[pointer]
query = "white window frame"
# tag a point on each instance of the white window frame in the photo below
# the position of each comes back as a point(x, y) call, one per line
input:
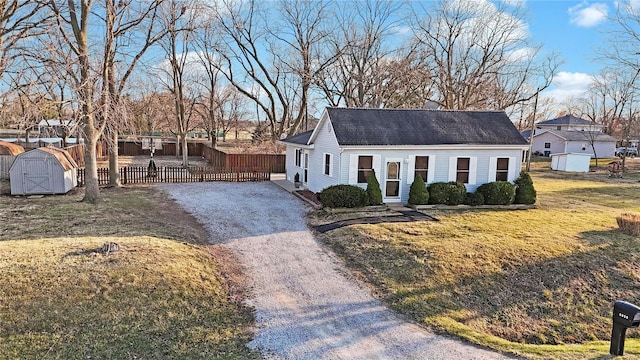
point(473, 168)
point(329, 164)
point(298, 158)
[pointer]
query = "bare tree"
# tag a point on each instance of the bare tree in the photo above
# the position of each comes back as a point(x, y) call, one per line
point(131, 28)
point(180, 20)
point(74, 24)
point(480, 55)
point(369, 72)
point(273, 63)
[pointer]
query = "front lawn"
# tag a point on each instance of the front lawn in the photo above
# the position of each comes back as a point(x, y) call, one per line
point(164, 294)
point(537, 283)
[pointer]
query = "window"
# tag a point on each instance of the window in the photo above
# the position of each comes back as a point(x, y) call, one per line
point(547, 145)
point(422, 167)
point(327, 164)
point(298, 157)
point(502, 169)
point(365, 166)
point(462, 170)
point(558, 127)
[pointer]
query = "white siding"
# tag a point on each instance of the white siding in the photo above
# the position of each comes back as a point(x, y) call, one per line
point(557, 143)
point(438, 164)
point(325, 143)
point(603, 149)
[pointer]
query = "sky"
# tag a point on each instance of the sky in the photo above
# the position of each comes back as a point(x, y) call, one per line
point(575, 30)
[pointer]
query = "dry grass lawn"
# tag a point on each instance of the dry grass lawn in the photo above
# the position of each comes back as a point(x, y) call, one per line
point(537, 283)
point(164, 294)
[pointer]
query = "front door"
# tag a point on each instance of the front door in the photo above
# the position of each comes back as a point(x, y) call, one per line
point(392, 184)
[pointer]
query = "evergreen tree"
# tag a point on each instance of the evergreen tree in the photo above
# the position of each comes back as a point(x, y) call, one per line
point(525, 192)
point(373, 189)
point(418, 193)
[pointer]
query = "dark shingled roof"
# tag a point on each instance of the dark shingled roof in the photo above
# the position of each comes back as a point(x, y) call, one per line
point(567, 120)
point(300, 139)
point(581, 135)
point(357, 126)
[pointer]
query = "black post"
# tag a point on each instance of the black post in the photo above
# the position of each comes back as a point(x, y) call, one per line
point(617, 339)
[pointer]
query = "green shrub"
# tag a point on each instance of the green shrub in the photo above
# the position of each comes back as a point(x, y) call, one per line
point(449, 193)
point(525, 192)
point(418, 193)
point(497, 193)
point(348, 196)
point(474, 199)
point(373, 189)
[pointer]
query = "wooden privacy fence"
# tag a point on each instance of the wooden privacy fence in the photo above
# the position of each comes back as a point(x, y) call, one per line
point(145, 175)
point(274, 163)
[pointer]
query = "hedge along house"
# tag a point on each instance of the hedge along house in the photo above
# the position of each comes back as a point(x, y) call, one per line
point(472, 147)
point(45, 170)
point(8, 153)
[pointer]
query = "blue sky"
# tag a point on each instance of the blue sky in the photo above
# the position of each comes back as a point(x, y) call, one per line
point(574, 29)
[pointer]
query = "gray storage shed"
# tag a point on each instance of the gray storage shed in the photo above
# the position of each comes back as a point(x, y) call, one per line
point(8, 153)
point(45, 170)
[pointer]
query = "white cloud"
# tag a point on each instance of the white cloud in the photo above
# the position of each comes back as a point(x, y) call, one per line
point(586, 15)
point(568, 85)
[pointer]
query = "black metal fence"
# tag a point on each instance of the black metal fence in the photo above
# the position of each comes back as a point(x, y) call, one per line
point(146, 175)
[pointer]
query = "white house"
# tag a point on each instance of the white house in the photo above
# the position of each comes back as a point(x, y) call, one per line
point(569, 134)
point(472, 147)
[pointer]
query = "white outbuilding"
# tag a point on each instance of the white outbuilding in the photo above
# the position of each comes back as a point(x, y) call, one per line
point(46, 170)
point(571, 162)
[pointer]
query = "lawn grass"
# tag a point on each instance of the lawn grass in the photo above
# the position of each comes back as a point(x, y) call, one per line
point(538, 283)
point(164, 294)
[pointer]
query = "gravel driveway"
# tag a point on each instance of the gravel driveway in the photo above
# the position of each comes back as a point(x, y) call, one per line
point(307, 305)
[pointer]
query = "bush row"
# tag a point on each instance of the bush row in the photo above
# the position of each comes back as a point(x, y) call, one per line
point(448, 193)
point(454, 193)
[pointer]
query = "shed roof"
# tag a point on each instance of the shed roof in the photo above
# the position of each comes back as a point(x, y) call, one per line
point(358, 126)
point(63, 156)
point(7, 148)
point(300, 139)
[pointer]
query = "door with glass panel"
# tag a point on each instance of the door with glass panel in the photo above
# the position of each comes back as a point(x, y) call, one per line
point(392, 184)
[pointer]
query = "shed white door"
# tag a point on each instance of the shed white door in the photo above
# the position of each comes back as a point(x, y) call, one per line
point(37, 176)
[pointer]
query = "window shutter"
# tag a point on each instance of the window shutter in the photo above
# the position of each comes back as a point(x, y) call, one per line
point(473, 169)
point(331, 164)
point(411, 169)
point(453, 168)
point(493, 167)
point(377, 165)
point(431, 174)
point(353, 169)
point(513, 169)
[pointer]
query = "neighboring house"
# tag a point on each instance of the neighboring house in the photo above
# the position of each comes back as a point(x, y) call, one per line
point(472, 147)
point(568, 123)
point(569, 134)
point(55, 127)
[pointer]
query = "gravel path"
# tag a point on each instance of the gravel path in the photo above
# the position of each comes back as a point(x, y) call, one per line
point(307, 306)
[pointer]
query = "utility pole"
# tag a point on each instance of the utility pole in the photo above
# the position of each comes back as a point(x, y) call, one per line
point(533, 127)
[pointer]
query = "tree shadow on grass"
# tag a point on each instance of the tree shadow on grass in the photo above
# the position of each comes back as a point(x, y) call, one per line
point(564, 299)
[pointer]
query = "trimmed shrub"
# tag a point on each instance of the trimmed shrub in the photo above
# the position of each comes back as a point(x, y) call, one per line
point(629, 223)
point(373, 189)
point(337, 196)
point(497, 193)
point(448, 193)
point(474, 199)
point(418, 193)
point(525, 192)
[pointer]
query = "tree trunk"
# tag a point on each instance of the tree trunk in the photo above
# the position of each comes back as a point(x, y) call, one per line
point(114, 167)
point(185, 151)
point(92, 189)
